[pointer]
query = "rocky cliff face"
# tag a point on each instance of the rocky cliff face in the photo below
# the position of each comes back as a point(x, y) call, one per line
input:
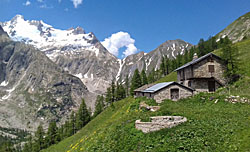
point(33, 89)
point(79, 53)
point(152, 60)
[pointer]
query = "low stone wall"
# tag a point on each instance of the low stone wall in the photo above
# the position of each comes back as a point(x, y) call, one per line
point(159, 122)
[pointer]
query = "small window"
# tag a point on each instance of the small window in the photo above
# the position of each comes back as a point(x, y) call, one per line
point(189, 83)
point(210, 68)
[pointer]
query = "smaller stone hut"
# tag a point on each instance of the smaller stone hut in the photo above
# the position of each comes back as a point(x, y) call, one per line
point(165, 90)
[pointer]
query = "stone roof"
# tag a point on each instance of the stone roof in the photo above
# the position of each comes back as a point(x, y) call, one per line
point(197, 60)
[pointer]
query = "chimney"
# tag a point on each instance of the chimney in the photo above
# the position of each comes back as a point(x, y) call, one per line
point(195, 56)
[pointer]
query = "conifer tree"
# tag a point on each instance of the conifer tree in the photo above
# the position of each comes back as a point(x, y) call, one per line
point(113, 91)
point(127, 86)
point(144, 77)
point(191, 54)
point(162, 66)
point(151, 75)
point(135, 82)
point(66, 131)
point(39, 139)
point(72, 125)
point(201, 48)
point(179, 60)
point(99, 105)
point(83, 116)
point(167, 65)
point(186, 60)
point(28, 145)
point(52, 134)
point(174, 64)
point(229, 55)
point(214, 43)
point(109, 96)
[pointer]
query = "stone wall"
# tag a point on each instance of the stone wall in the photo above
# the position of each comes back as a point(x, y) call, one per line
point(166, 93)
point(159, 122)
point(201, 85)
point(201, 70)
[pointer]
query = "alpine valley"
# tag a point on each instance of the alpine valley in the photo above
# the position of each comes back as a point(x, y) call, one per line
point(46, 71)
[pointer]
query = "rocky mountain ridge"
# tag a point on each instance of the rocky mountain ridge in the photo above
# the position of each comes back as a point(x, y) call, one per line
point(82, 54)
point(33, 89)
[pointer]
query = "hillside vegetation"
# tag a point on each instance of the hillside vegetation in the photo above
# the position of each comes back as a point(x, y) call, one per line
point(213, 125)
point(237, 30)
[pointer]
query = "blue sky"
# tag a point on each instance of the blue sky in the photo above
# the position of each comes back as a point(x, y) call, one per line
point(148, 22)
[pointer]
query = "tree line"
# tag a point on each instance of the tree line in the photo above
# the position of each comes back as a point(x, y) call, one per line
point(54, 134)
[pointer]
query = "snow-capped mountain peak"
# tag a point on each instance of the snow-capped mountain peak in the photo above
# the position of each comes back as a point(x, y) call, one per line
point(46, 38)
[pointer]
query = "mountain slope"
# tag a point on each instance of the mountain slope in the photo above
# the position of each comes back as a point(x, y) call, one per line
point(33, 89)
point(152, 60)
point(211, 126)
point(79, 53)
point(82, 54)
point(238, 29)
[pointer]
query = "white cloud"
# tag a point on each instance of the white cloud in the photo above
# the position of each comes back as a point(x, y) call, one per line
point(59, 1)
point(27, 3)
point(120, 40)
point(76, 2)
point(40, 1)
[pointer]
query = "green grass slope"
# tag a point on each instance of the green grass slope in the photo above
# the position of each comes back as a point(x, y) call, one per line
point(241, 87)
point(211, 126)
point(170, 77)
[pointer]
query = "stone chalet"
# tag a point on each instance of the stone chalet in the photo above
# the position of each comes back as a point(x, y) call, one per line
point(204, 74)
point(165, 90)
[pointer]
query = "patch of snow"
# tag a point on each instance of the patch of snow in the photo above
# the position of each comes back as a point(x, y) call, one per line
point(173, 46)
point(9, 93)
point(148, 63)
point(79, 75)
point(92, 76)
point(121, 63)
point(86, 75)
point(140, 58)
point(3, 84)
point(173, 54)
point(47, 37)
point(130, 63)
point(186, 45)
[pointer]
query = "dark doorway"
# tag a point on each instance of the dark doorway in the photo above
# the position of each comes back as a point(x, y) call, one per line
point(174, 94)
point(211, 86)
